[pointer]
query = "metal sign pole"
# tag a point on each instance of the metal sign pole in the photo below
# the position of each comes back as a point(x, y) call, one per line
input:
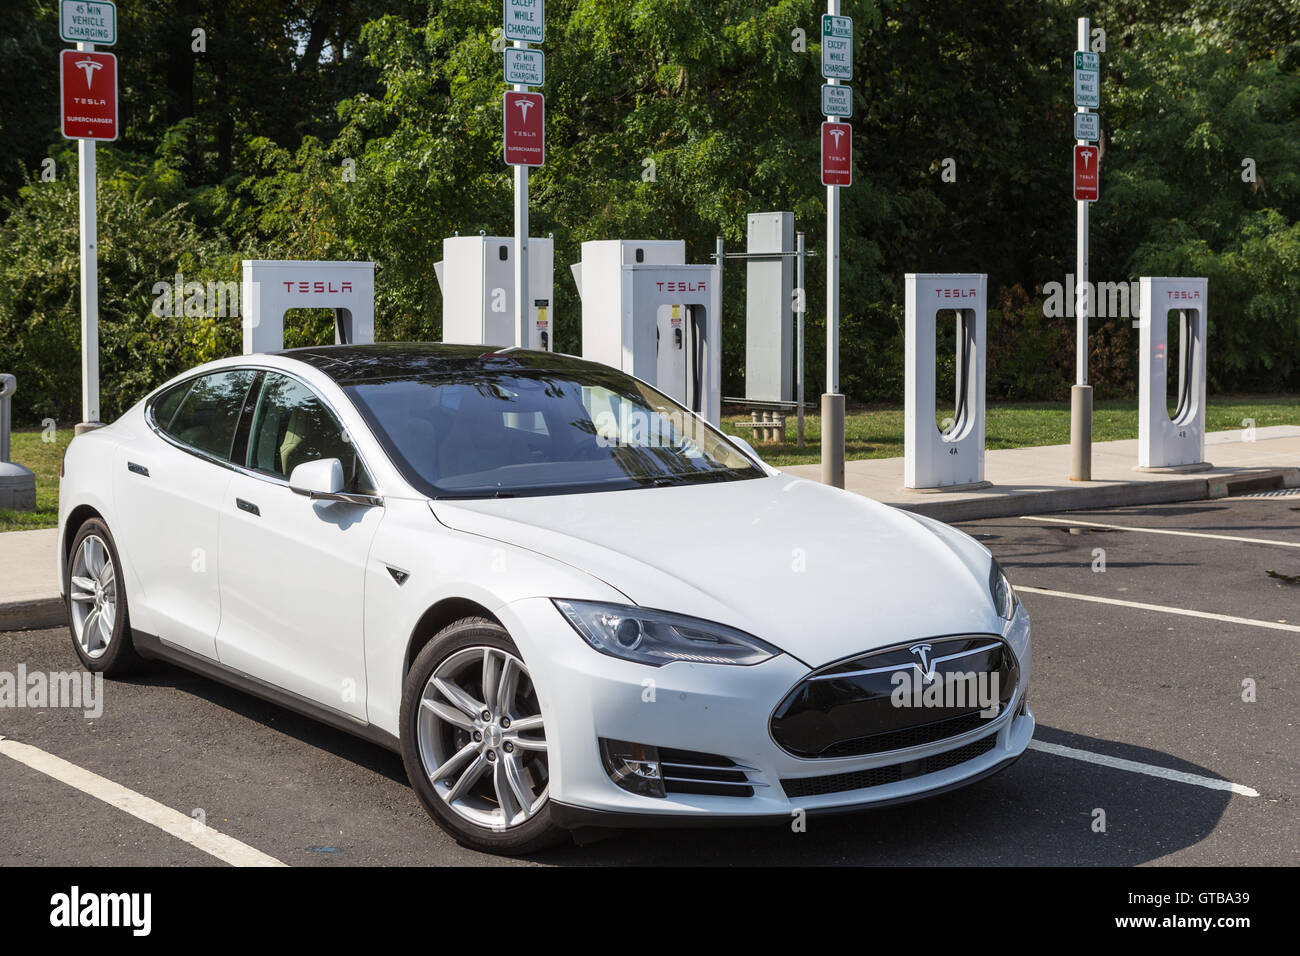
point(833, 401)
point(89, 278)
point(1081, 393)
point(801, 305)
point(522, 336)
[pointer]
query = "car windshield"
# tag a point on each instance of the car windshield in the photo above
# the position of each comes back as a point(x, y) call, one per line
point(508, 432)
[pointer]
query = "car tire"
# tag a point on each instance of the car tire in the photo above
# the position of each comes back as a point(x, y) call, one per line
point(482, 778)
point(98, 616)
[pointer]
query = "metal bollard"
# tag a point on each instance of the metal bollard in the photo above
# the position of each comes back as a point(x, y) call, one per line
point(8, 385)
point(17, 484)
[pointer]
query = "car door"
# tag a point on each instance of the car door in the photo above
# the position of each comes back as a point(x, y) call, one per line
point(168, 487)
point(292, 568)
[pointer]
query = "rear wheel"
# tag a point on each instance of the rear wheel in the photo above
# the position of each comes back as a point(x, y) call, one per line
point(97, 608)
point(473, 741)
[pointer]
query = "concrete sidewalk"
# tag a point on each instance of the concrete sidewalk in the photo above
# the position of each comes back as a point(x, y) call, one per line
point(29, 589)
point(1025, 481)
point(1033, 480)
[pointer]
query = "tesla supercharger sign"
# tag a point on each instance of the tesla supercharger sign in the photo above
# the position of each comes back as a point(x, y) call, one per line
point(525, 119)
point(837, 154)
point(89, 85)
point(1087, 181)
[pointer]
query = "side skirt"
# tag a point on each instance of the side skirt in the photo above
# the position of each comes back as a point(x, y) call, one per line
point(155, 648)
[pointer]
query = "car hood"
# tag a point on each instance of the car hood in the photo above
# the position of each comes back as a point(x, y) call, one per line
point(819, 572)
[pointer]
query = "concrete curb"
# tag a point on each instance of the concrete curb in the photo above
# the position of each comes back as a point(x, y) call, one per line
point(32, 615)
point(49, 611)
point(1113, 495)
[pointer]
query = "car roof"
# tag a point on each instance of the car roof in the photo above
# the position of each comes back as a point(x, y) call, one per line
point(354, 364)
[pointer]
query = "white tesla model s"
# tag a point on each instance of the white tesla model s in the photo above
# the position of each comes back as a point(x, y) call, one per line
point(564, 599)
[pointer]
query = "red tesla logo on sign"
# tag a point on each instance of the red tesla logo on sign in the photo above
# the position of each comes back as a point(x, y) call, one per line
point(89, 85)
point(837, 154)
point(1087, 178)
point(525, 129)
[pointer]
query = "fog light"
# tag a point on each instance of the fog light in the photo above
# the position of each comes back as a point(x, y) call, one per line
point(634, 767)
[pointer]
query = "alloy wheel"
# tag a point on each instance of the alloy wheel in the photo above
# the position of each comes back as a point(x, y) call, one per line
point(94, 596)
point(481, 740)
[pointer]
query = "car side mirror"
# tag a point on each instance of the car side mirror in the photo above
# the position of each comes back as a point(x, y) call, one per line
point(319, 478)
point(322, 480)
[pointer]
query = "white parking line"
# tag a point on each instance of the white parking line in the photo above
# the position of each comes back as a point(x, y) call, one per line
point(139, 806)
point(1151, 770)
point(1164, 609)
point(1181, 534)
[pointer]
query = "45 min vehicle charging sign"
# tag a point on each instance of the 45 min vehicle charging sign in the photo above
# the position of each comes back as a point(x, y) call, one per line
point(88, 21)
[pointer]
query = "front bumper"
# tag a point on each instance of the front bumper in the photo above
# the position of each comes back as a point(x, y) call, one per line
point(722, 710)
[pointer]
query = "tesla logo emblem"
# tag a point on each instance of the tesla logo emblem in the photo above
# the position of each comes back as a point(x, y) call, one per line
point(1087, 157)
point(837, 133)
point(524, 106)
point(926, 665)
point(90, 66)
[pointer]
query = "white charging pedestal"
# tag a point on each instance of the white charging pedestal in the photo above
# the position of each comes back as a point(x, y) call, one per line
point(477, 278)
point(273, 287)
point(648, 313)
point(952, 459)
point(1174, 443)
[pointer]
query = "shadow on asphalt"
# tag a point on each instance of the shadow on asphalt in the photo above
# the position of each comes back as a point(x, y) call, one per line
point(1041, 811)
point(277, 718)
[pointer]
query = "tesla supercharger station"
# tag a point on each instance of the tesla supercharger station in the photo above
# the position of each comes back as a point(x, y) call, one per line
point(477, 278)
point(273, 287)
point(647, 312)
point(1177, 441)
point(953, 457)
point(769, 308)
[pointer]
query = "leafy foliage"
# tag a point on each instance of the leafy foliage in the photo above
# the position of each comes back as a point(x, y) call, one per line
point(371, 130)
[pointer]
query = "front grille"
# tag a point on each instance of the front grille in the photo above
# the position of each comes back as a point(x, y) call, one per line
point(879, 776)
point(909, 736)
point(848, 709)
point(689, 771)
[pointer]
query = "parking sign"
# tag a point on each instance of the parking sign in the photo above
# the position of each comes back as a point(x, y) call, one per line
point(837, 100)
point(1087, 127)
point(525, 67)
point(837, 47)
point(88, 21)
point(1087, 80)
point(525, 20)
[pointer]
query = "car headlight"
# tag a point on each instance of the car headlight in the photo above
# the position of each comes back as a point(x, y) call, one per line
point(657, 637)
point(1004, 595)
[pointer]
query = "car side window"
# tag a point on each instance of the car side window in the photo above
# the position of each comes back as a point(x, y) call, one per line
point(204, 413)
point(292, 425)
point(164, 406)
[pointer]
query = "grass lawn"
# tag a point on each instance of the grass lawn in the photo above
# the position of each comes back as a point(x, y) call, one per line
point(42, 457)
point(878, 432)
point(869, 433)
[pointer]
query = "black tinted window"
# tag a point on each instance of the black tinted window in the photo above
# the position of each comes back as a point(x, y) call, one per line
point(205, 415)
point(518, 432)
point(291, 425)
point(166, 404)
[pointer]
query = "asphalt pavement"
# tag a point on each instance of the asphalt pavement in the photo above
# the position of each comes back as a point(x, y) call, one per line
point(1146, 752)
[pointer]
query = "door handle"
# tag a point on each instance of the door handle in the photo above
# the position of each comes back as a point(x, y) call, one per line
point(137, 469)
point(248, 506)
